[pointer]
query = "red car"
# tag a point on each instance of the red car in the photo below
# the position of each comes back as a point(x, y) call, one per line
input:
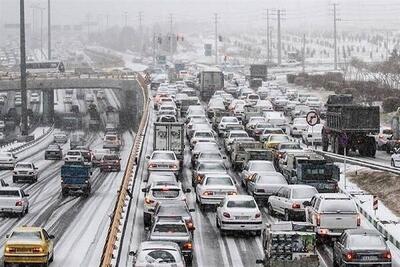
point(110, 162)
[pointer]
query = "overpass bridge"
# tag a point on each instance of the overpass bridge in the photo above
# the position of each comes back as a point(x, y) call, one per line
point(128, 90)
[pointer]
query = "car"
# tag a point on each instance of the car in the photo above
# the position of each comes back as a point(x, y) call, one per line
point(202, 136)
point(110, 162)
point(18, 101)
point(161, 176)
point(25, 171)
point(207, 168)
point(268, 131)
point(385, 134)
point(175, 230)
point(298, 126)
point(213, 188)
point(89, 98)
point(262, 185)
point(239, 213)
point(252, 99)
point(67, 99)
point(224, 121)
point(167, 109)
point(231, 136)
point(395, 158)
point(313, 102)
point(35, 98)
point(60, 138)
point(255, 166)
point(13, 200)
point(203, 147)
point(97, 155)
point(100, 94)
point(273, 140)
point(361, 247)
point(74, 156)
point(7, 160)
point(253, 121)
point(275, 118)
point(163, 160)
point(179, 209)
point(332, 214)
point(28, 245)
point(166, 118)
point(288, 201)
point(284, 148)
point(151, 253)
point(258, 128)
point(159, 192)
point(53, 152)
point(313, 135)
point(112, 141)
point(197, 127)
point(212, 156)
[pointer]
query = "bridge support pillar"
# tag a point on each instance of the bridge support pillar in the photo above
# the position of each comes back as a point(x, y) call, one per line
point(48, 106)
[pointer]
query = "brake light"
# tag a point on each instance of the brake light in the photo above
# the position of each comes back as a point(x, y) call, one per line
point(19, 203)
point(226, 215)
point(199, 178)
point(187, 245)
point(232, 193)
point(189, 224)
point(148, 200)
point(387, 255)
point(37, 250)
point(351, 255)
point(358, 220)
point(318, 219)
point(11, 250)
point(173, 167)
point(295, 206)
point(258, 215)
point(208, 193)
point(152, 165)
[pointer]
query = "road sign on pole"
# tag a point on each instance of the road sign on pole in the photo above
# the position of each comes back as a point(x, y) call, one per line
point(312, 118)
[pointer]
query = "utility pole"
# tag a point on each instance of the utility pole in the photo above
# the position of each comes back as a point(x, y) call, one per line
point(154, 48)
point(107, 20)
point(170, 36)
point(126, 18)
point(279, 43)
point(48, 31)
point(24, 110)
point(41, 32)
point(335, 37)
point(216, 38)
point(303, 59)
point(140, 20)
point(141, 34)
point(268, 39)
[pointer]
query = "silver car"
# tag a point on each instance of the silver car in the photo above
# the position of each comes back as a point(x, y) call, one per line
point(264, 185)
point(158, 253)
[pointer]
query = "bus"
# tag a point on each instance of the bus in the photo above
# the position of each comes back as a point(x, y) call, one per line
point(45, 67)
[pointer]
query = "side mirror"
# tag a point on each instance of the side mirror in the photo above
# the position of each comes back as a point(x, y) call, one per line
point(132, 253)
point(7, 236)
point(192, 210)
point(26, 195)
point(223, 157)
point(145, 190)
point(147, 157)
point(15, 157)
point(307, 203)
point(52, 236)
point(36, 168)
point(260, 261)
point(188, 190)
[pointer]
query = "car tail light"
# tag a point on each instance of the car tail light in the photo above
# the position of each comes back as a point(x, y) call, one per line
point(387, 255)
point(358, 220)
point(258, 215)
point(280, 155)
point(11, 250)
point(37, 250)
point(187, 245)
point(148, 200)
point(19, 203)
point(189, 224)
point(350, 255)
point(232, 193)
point(318, 219)
point(208, 193)
point(152, 165)
point(226, 215)
point(194, 142)
point(295, 206)
point(174, 167)
point(199, 178)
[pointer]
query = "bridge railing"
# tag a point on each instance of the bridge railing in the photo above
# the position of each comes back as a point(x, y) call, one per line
point(116, 76)
point(111, 246)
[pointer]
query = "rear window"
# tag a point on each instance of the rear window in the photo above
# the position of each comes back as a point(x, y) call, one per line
point(304, 193)
point(280, 138)
point(233, 135)
point(170, 228)
point(163, 156)
point(261, 166)
point(210, 156)
point(111, 157)
point(165, 193)
point(366, 241)
point(31, 236)
point(275, 131)
point(233, 119)
point(9, 193)
point(211, 167)
point(290, 146)
point(219, 181)
point(241, 204)
point(203, 134)
point(338, 206)
point(111, 138)
point(23, 166)
point(265, 179)
point(156, 256)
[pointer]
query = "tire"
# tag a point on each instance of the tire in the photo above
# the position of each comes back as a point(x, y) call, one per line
point(258, 233)
point(15, 180)
point(217, 223)
point(392, 163)
point(271, 210)
point(27, 210)
point(286, 216)
point(52, 257)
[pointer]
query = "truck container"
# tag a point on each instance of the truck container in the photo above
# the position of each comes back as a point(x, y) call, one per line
point(351, 126)
point(75, 178)
point(259, 71)
point(77, 139)
point(112, 117)
point(211, 80)
point(169, 136)
point(94, 117)
point(245, 150)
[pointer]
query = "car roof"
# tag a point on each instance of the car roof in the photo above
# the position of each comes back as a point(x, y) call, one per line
point(8, 188)
point(299, 186)
point(27, 229)
point(333, 196)
point(239, 197)
point(158, 244)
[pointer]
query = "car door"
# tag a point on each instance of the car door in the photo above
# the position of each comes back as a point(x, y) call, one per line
point(338, 247)
point(245, 172)
point(275, 200)
point(251, 183)
point(284, 203)
point(49, 243)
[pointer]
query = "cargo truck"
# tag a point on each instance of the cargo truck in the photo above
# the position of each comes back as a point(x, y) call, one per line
point(211, 80)
point(169, 136)
point(351, 126)
point(258, 71)
point(75, 179)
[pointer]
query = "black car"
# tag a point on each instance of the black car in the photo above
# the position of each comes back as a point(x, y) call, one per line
point(361, 247)
point(53, 152)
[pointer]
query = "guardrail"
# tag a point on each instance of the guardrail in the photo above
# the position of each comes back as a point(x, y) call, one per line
point(112, 241)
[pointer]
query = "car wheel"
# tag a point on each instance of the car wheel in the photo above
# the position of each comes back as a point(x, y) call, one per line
point(271, 210)
point(217, 222)
point(392, 163)
point(52, 257)
point(15, 180)
point(286, 216)
point(27, 210)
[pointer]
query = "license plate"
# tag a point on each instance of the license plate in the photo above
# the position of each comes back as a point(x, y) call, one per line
point(6, 210)
point(162, 166)
point(370, 258)
point(241, 217)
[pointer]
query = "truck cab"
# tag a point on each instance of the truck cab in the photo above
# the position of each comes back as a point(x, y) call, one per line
point(76, 179)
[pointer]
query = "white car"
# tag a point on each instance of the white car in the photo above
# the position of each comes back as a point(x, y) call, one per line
point(18, 101)
point(25, 171)
point(166, 109)
point(288, 201)
point(163, 161)
point(253, 122)
point(67, 99)
point(239, 213)
point(313, 135)
point(275, 118)
point(202, 136)
point(213, 188)
point(60, 138)
point(97, 155)
point(395, 159)
point(74, 156)
point(313, 102)
point(35, 98)
point(7, 160)
point(224, 121)
point(158, 253)
point(298, 126)
point(262, 185)
point(256, 166)
point(13, 200)
point(230, 138)
point(112, 141)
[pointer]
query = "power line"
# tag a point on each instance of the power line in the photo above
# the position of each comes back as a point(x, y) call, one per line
point(216, 38)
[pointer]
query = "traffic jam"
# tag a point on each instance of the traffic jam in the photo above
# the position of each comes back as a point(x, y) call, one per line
point(245, 153)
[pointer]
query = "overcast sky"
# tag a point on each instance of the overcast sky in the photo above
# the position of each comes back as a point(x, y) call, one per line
point(233, 14)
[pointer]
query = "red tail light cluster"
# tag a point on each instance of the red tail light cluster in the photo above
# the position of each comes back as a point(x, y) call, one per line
point(296, 206)
point(387, 255)
point(187, 245)
point(189, 224)
point(358, 220)
point(318, 219)
point(350, 255)
point(208, 193)
point(148, 200)
point(19, 203)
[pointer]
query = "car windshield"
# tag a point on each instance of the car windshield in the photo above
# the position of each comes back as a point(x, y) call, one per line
point(364, 241)
point(338, 206)
point(111, 157)
point(271, 179)
point(31, 236)
point(170, 228)
point(210, 156)
point(241, 204)
point(279, 138)
point(304, 193)
point(203, 134)
point(231, 119)
point(219, 181)
point(261, 166)
point(9, 193)
point(211, 167)
point(23, 166)
point(165, 193)
point(163, 156)
point(290, 146)
point(234, 135)
point(158, 256)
